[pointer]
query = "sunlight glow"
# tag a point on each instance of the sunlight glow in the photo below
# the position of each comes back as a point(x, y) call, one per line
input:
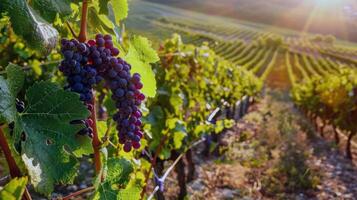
point(328, 3)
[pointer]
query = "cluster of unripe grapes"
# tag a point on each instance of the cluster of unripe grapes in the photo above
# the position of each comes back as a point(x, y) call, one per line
point(87, 64)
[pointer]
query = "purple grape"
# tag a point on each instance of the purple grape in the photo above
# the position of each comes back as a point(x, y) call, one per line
point(87, 64)
point(127, 146)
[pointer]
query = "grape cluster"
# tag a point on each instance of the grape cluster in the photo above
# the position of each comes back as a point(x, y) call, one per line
point(81, 75)
point(125, 89)
point(87, 64)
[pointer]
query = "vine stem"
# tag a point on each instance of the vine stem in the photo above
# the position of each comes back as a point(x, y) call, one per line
point(95, 142)
point(14, 169)
point(79, 192)
point(71, 29)
point(82, 37)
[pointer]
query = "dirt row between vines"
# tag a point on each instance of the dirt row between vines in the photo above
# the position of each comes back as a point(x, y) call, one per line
point(272, 153)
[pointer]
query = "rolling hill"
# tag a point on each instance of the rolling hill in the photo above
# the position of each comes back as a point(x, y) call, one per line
point(306, 16)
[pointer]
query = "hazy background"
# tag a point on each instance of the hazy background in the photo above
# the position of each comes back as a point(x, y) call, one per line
point(336, 17)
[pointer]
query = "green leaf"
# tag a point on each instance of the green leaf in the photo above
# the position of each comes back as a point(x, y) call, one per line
point(118, 174)
point(7, 102)
point(103, 7)
point(143, 49)
point(105, 191)
point(99, 23)
point(156, 118)
point(8, 92)
point(14, 189)
point(120, 9)
point(178, 138)
point(51, 144)
point(139, 56)
point(15, 77)
point(29, 25)
point(129, 193)
point(48, 9)
point(119, 171)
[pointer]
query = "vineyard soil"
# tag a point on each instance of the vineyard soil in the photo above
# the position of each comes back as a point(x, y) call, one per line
point(273, 153)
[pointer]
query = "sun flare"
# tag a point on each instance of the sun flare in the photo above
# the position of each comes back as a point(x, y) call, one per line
point(328, 3)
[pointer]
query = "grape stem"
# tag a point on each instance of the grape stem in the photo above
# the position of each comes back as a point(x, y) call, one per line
point(14, 169)
point(95, 142)
point(71, 29)
point(79, 192)
point(82, 37)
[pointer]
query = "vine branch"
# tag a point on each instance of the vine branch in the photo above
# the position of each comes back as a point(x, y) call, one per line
point(68, 197)
point(71, 29)
point(82, 37)
point(14, 169)
point(95, 142)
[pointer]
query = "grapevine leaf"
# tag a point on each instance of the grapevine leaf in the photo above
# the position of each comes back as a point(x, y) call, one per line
point(49, 8)
point(131, 192)
point(139, 56)
point(179, 131)
point(120, 9)
point(117, 175)
point(8, 92)
point(51, 145)
point(118, 171)
point(98, 23)
point(178, 138)
point(14, 189)
point(105, 192)
point(29, 25)
point(103, 7)
point(144, 50)
point(16, 78)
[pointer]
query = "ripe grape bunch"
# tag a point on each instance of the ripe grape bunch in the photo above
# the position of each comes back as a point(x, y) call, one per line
point(87, 64)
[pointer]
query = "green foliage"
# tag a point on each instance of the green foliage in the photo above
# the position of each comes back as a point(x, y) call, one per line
point(8, 91)
point(30, 25)
point(120, 9)
point(117, 176)
point(192, 82)
point(140, 55)
point(51, 144)
point(97, 22)
point(332, 98)
point(48, 9)
point(14, 189)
